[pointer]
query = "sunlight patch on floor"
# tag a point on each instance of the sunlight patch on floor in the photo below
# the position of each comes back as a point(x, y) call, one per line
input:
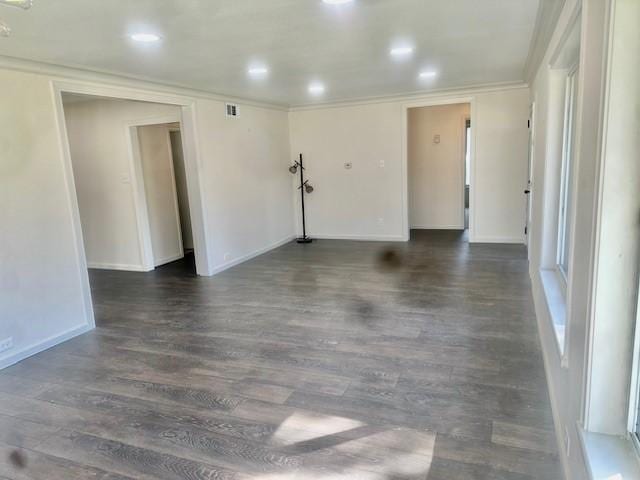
point(301, 427)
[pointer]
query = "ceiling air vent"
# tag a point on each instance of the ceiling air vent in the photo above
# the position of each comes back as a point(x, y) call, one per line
point(232, 110)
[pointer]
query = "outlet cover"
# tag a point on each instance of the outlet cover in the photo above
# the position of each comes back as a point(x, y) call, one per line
point(6, 344)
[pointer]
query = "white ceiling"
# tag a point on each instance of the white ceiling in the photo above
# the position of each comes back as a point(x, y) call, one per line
point(209, 44)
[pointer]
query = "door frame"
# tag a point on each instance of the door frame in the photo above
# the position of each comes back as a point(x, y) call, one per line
point(193, 164)
point(139, 190)
point(431, 102)
point(529, 186)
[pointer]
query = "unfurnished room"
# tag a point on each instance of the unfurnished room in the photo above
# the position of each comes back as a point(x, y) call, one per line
point(320, 240)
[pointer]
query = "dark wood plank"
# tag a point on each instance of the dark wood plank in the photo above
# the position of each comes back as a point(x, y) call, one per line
point(317, 361)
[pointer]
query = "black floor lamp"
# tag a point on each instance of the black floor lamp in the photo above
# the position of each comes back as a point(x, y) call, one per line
point(304, 188)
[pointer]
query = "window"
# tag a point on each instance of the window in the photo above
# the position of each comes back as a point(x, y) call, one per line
point(565, 207)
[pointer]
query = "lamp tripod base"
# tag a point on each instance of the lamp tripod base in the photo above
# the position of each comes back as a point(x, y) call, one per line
point(304, 240)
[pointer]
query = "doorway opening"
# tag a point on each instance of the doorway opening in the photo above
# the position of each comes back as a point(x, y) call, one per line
point(439, 158)
point(131, 178)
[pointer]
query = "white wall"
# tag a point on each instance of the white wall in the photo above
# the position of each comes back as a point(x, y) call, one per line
point(436, 170)
point(100, 153)
point(245, 185)
point(246, 179)
point(160, 192)
point(499, 173)
point(41, 275)
point(181, 186)
point(367, 201)
point(566, 374)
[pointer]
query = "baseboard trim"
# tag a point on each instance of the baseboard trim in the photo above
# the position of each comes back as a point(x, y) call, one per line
point(169, 259)
point(478, 239)
point(437, 227)
point(360, 238)
point(44, 345)
point(118, 266)
point(249, 256)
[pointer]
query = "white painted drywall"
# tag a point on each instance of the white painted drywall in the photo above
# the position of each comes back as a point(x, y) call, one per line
point(179, 172)
point(566, 377)
point(245, 177)
point(245, 186)
point(618, 251)
point(100, 153)
point(160, 192)
point(499, 173)
point(436, 168)
point(366, 201)
point(41, 275)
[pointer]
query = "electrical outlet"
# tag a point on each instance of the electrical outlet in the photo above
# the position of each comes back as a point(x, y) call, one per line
point(226, 256)
point(381, 163)
point(6, 344)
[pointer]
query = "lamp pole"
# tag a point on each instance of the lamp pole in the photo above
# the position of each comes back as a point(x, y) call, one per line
point(304, 238)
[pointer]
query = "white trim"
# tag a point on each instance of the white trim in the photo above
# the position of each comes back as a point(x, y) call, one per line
point(438, 227)
point(463, 150)
point(106, 78)
point(157, 120)
point(72, 202)
point(249, 256)
point(360, 238)
point(414, 96)
point(538, 298)
point(139, 197)
point(118, 81)
point(118, 266)
point(139, 190)
point(193, 164)
point(43, 345)
point(634, 397)
point(555, 300)
point(169, 259)
point(174, 188)
point(194, 172)
point(485, 239)
point(530, 169)
point(430, 102)
point(606, 454)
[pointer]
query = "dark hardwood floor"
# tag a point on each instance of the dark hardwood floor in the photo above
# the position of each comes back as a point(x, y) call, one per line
point(331, 361)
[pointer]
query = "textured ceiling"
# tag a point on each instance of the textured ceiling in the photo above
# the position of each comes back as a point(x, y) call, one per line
point(209, 44)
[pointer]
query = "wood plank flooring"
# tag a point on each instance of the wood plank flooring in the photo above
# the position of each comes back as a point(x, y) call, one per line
point(331, 361)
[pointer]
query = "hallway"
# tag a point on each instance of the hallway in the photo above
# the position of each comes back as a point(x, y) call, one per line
point(334, 360)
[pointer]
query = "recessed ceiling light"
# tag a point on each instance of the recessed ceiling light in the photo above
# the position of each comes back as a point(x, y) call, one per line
point(316, 89)
point(401, 51)
point(145, 37)
point(26, 4)
point(258, 71)
point(428, 74)
point(337, 2)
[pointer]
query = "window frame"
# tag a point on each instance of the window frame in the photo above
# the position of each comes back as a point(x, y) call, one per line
point(634, 391)
point(564, 210)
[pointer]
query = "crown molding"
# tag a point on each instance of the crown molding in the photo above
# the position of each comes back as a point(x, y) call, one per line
point(415, 96)
point(546, 21)
point(60, 72)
